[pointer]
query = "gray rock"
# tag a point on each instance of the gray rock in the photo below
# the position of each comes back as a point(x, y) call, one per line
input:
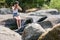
point(54, 19)
point(7, 34)
point(39, 13)
point(53, 34)
point(50, 11)
point(10, 23)
point(32, 32)
point(35, 17)
point(50, 21)
point(5, 11)
point(46, 24)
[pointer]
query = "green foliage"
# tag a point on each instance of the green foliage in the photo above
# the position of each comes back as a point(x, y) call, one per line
point(26, 3)
point(8, 2)
point(55, 4)
point(51, 4)
point(2, 1)
point(40, 2)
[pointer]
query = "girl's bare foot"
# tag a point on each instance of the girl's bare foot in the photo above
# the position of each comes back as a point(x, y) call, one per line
point(19, 27)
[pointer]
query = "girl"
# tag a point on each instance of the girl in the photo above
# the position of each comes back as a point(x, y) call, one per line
point(15, 8)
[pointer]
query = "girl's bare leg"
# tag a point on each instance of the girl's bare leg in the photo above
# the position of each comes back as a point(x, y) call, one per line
point(18, 24)
point(18, 21)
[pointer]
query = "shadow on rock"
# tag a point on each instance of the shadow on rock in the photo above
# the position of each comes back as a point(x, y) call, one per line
point(46, 24)
point(42, 19)
point(10, 23)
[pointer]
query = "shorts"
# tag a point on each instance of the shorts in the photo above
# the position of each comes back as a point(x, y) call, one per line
point(15, 14)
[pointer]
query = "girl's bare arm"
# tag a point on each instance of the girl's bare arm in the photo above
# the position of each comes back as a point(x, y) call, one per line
point(19, 8)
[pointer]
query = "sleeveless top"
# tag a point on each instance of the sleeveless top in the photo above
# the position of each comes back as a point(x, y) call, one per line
point(14, 11)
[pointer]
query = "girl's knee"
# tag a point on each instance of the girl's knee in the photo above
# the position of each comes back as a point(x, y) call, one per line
point(18, 19)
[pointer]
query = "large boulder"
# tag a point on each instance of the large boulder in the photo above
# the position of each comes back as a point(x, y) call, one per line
point(53, 34)
point(5, 11)
point(10, 23)
point(7, 34)
point(46, 24)
point(54, 19)
point(50, 21)
point(32, 32)
point(50, 11)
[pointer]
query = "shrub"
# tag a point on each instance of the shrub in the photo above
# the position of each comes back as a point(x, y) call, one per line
point(55, 4)
point(26, 3)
